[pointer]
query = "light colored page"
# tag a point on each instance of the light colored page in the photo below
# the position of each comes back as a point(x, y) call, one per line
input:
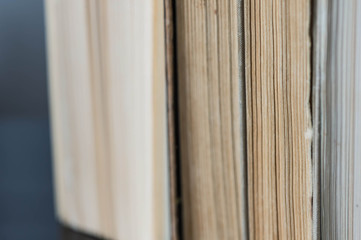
point(108, 103)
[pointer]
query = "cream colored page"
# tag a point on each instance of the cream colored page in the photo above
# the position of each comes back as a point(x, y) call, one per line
point(73, 125)
point(136, 98)
point(107, 88)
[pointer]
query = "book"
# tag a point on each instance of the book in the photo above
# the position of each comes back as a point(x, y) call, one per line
point(210, 120)
point(338, 92)
point(279, 130)
point(108, 107)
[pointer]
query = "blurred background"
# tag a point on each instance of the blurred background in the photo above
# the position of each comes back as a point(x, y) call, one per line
point(26, 194)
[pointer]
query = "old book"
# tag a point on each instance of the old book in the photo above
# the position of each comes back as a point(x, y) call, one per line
point(211, 124)
point(279, 132)
point(108, 105)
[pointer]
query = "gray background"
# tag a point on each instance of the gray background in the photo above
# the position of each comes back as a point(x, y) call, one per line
point(26, 194)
